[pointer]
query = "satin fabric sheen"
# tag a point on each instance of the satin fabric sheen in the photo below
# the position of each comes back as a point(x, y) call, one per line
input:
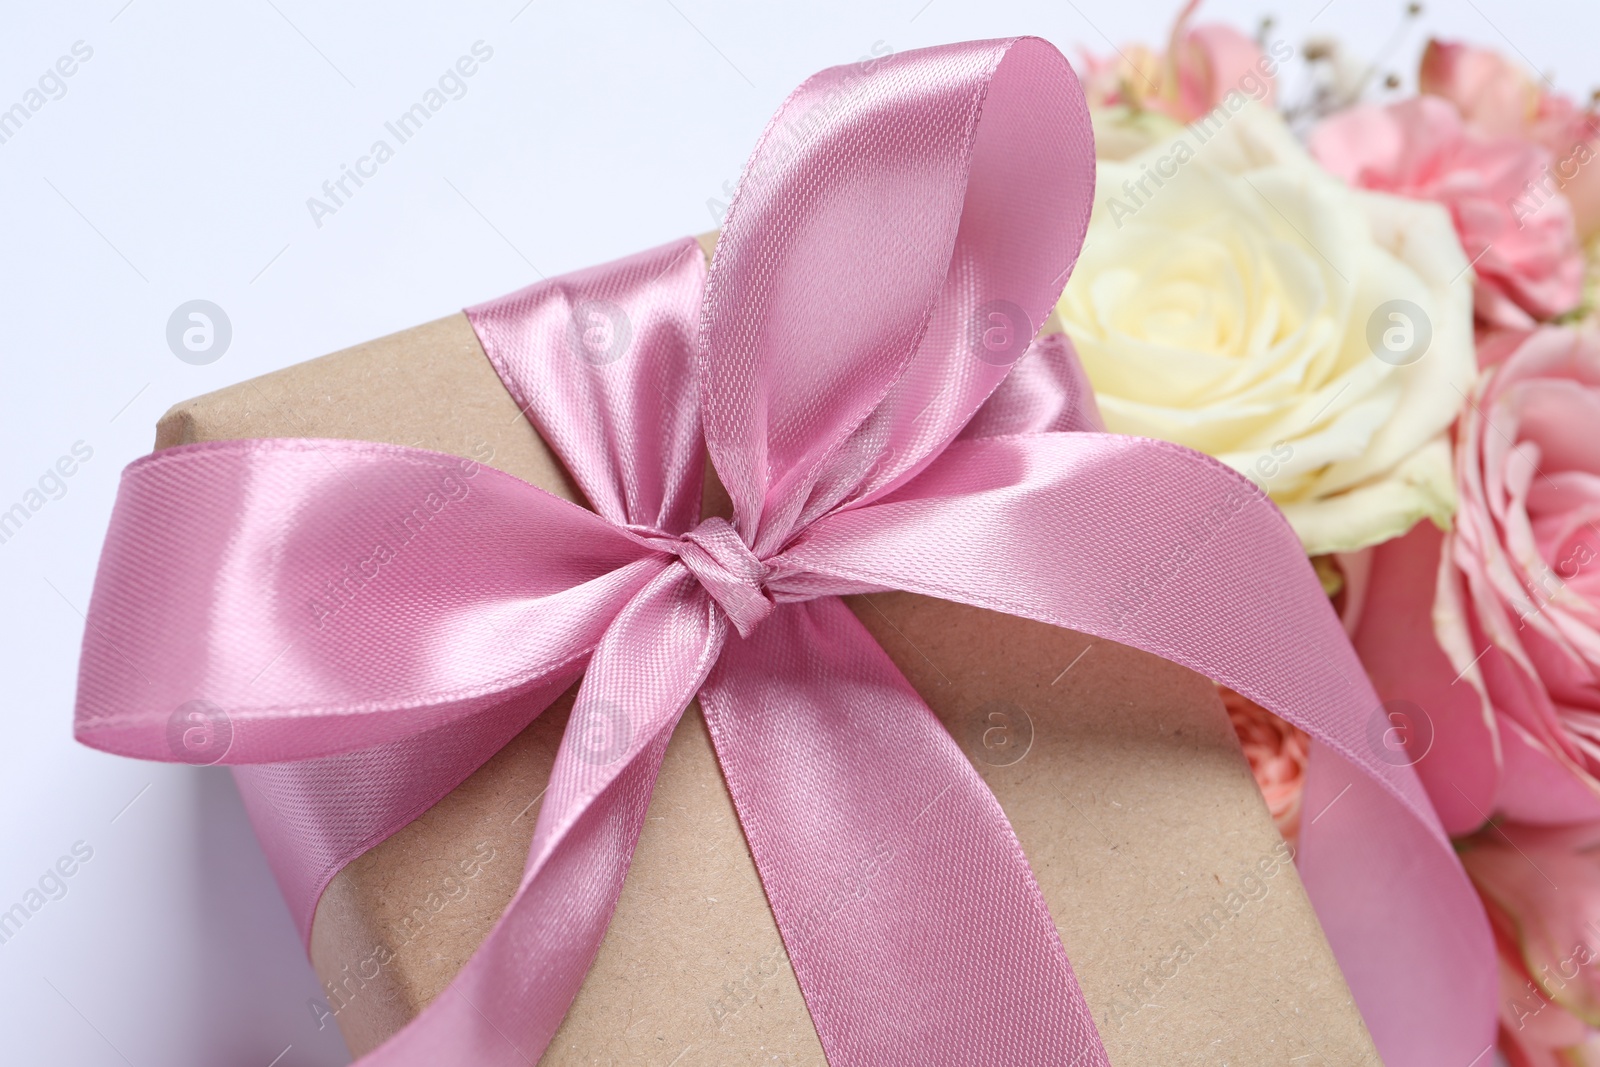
point(856, 364)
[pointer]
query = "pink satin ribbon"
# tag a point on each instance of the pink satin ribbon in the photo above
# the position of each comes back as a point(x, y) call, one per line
point(374, 621)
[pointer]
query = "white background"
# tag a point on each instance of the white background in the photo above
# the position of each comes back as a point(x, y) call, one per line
point(177, 166)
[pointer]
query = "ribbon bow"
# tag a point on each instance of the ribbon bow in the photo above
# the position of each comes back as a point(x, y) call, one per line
point(894, 241)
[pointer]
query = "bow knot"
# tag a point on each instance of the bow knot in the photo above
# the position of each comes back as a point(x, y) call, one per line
point(716, 555)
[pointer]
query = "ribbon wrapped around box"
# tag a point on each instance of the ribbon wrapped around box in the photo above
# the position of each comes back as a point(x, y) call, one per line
point(379, 638)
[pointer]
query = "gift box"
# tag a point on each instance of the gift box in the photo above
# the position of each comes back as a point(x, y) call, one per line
point(1174, 894)
point(742, 664)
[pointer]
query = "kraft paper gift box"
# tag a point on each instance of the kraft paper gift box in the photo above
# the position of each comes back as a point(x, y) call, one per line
point(1174, 895)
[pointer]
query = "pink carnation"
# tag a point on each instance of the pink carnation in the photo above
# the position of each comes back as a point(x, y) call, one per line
point(1278, 753)
point(1498, 98)
point(1529, 266)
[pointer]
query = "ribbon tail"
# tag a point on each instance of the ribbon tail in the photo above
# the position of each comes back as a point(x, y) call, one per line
point(1401, 918)
point(907, 907)
point(1167, 550)
point(508, 1001)
point(313, 817)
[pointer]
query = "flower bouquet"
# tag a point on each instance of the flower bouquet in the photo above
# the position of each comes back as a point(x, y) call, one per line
point(1378, 305)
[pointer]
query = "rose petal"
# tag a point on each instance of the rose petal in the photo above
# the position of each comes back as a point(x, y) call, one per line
point(1395, 640)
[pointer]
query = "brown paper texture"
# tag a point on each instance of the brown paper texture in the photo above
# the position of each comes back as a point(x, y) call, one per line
point(1189, 930)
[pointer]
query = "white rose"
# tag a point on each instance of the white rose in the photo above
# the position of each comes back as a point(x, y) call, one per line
point(1223, 301)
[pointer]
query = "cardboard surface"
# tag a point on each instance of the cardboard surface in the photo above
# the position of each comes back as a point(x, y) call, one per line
point(1186, 924)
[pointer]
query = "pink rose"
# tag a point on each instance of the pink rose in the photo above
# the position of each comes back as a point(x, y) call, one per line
point(1508, 672)
point(1541, 889)
point(1278, 753)
point(1498, 98)
point(1524, 567)
point(1202, 65)
point(1529, 266)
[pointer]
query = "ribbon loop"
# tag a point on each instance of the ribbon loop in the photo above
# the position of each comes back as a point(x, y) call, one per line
point(897, 238)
